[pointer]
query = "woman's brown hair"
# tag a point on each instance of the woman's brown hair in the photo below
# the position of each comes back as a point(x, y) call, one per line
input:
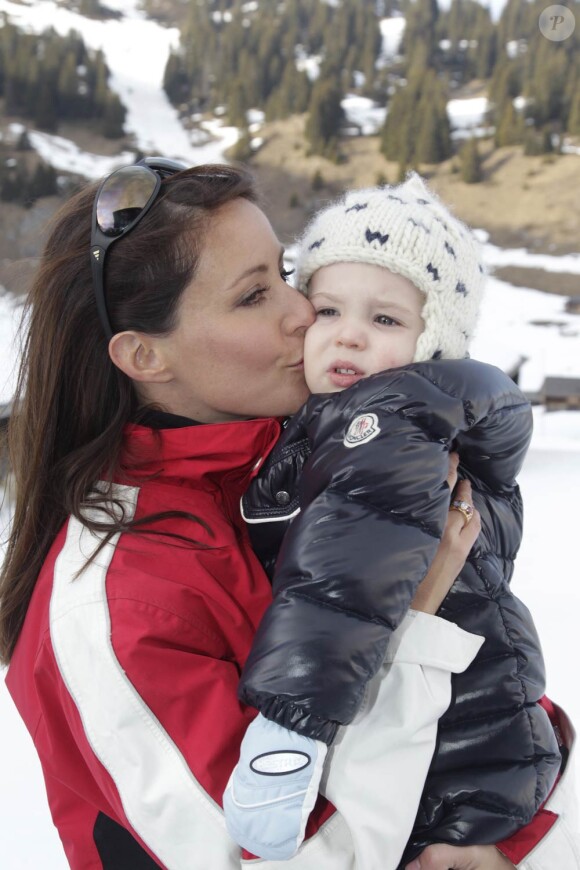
point(71, 402)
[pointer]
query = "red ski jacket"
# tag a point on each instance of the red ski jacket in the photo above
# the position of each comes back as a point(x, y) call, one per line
point(139, 657)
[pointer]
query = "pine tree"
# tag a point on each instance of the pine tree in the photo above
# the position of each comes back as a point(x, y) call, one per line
point(113, 117)
point(45, 115)
point(242, 150)
point(42, 183)
point(90, 8)
point(486, 51)
point(175, 81)
point(325, 117)
point(318, 182)
point(471, 171)
point(433, 143)
point(417, 128)
point(23, 143)
point(396, 141)
point(237, 104)
point(68, 88)
point(573, 125)
point(13, 183)
point(101, 87)
point(509, 131)
point(420, 33)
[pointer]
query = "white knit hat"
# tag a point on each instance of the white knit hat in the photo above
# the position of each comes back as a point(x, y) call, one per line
point(406, 229)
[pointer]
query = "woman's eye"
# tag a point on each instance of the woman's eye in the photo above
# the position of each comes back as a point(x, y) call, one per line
point(326, 312)
point(285, 273)
point(385, 320)
point(256, 297)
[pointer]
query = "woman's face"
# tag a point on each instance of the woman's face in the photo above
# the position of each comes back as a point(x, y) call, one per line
point(237, 351)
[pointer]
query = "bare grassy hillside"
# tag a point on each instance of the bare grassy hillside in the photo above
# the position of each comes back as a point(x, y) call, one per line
point(531, 202)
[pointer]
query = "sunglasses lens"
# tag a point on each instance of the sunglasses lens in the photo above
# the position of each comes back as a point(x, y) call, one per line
point(123, 197)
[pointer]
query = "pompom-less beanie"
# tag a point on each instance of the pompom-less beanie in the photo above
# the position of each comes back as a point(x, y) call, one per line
point(406, 229)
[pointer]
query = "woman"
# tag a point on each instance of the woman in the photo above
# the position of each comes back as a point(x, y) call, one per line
point(129, 605)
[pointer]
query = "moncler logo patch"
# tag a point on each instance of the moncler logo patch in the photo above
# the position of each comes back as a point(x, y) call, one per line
point(361, 430)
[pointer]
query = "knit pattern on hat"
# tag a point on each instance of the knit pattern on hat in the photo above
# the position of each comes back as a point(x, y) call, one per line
point(405, 228)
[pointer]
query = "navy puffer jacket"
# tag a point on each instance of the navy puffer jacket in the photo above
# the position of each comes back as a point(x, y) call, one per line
point(354, 497)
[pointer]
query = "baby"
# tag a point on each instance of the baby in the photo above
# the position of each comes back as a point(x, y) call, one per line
point(350, 507)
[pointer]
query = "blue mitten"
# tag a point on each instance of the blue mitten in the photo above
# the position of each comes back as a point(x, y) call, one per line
point(272, 789)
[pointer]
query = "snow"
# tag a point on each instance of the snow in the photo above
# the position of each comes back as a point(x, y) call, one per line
point(68, 157)
point(495, 256)
point(136, 51)
point(467, 118)
point(255, 116)
point(391, 33)
point(515, 47)
point(517, 323)
point(10, 316)
point(308, 63)
point(467, 112)
point(364, 113)
point(520, 103)
point(548, 337)
point(219, 17)
point(568, 147)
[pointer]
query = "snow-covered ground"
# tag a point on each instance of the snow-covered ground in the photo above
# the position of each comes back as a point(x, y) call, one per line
point(517, 323)
point(365, 114)
point(392, 30)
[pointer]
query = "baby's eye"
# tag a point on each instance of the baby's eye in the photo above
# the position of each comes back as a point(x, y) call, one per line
point(326, 312)
point(285, 273)
point(385, 320)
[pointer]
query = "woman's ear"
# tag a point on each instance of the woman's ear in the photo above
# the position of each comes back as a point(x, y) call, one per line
point(140, 357)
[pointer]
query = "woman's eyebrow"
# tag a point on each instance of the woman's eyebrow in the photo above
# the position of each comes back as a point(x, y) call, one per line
point(259, 268)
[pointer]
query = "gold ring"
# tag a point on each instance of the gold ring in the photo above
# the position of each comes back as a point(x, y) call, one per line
point(464, 508)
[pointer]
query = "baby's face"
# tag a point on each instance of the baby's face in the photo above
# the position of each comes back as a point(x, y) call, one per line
point(368, 319)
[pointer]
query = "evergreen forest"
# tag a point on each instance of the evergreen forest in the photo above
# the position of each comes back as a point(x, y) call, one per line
point(47, 79)
point(243, 55)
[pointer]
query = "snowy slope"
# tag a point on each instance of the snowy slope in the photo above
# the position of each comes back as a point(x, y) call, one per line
point(136, 51)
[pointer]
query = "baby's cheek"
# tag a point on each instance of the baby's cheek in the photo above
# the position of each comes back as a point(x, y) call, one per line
point(311, 346)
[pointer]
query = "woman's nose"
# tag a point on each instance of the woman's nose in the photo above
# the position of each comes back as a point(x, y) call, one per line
point(299, 312)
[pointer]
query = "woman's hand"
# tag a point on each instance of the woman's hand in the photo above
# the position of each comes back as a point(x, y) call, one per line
point(443, 857)
point(456, 543)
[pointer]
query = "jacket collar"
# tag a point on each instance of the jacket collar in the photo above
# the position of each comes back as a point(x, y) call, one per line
point(226, 455)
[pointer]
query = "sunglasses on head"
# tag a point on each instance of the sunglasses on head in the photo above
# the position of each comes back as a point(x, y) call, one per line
point(122, 199)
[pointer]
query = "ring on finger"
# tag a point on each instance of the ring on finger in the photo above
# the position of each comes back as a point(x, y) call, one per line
point(464, 508)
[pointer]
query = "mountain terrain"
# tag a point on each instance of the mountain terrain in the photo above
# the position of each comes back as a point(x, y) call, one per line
point(488, 109)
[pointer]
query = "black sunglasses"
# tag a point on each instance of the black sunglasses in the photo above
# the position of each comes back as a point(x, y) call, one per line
point(121, 201)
